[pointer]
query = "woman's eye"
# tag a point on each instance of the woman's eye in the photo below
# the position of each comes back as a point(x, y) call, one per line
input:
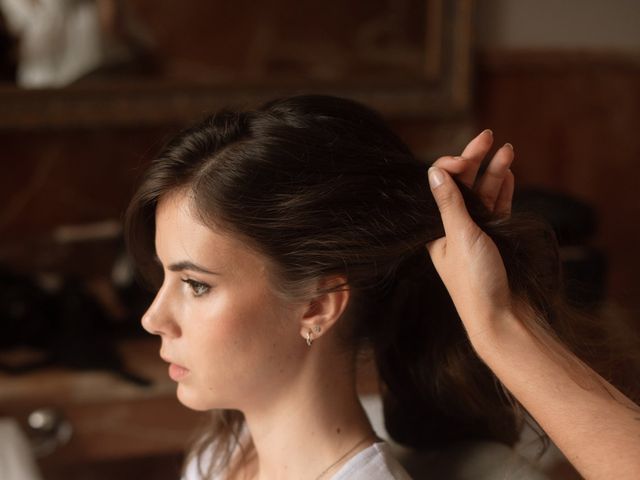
point(197, 288)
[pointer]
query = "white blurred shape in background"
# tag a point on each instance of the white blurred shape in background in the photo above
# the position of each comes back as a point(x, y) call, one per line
point(60, 41)
point(17, 461)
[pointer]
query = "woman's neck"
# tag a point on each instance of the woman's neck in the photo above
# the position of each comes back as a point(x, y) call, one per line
point(315, 426)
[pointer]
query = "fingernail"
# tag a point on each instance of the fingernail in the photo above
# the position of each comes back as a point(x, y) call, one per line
point(435, 177)
point(508, 145)
point(489, 131)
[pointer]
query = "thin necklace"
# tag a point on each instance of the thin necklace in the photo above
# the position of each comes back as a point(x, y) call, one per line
point(343, 456)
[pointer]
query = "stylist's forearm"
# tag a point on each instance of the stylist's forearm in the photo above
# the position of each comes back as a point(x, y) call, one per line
point(575, 409)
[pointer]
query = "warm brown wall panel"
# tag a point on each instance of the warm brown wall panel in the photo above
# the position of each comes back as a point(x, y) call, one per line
point(66, 177)
point(574, 122)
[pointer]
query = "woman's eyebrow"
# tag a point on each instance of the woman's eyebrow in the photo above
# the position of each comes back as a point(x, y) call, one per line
point(187, 265)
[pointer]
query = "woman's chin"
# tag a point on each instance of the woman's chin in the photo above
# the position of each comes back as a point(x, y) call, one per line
point(195, 401)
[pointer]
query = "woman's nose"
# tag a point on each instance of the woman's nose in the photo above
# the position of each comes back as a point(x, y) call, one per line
point(158, 320)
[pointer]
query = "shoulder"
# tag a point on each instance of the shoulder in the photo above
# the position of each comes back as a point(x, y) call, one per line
point(373, 463)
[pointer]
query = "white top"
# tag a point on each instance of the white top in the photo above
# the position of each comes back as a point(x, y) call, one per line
point(373, 463)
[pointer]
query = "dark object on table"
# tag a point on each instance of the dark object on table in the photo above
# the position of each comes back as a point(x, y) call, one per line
point(65, 327)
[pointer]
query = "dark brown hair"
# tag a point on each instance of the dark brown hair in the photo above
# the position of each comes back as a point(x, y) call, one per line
point(321, 185)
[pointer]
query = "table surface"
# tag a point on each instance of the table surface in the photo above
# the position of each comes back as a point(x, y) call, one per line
point(112, 418)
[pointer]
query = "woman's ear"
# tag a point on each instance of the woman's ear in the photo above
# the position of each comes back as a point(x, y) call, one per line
point(324, 309)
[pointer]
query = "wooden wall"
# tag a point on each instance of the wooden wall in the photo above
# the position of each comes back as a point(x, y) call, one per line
point(573, 119)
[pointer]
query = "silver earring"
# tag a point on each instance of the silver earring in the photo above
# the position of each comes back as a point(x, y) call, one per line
point(317, 329)
point(309, 339)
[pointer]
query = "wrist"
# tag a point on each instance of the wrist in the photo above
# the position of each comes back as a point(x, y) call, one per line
point(504, 330)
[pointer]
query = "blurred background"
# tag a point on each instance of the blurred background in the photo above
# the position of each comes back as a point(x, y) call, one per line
point(90, 90)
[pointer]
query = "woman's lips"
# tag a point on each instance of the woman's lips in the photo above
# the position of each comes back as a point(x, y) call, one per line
point(177, 372)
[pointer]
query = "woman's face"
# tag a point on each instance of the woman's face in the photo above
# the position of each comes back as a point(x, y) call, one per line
point(218, 318)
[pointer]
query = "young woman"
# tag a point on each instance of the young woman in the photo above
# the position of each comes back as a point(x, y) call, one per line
point(288, 240)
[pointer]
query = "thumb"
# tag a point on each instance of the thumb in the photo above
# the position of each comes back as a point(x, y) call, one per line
point(453, 211)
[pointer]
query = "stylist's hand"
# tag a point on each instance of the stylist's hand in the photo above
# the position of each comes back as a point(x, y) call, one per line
point(495, 187)
point(466, 259)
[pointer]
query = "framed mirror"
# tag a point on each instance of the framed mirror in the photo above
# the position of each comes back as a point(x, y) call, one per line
point(403, 57)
